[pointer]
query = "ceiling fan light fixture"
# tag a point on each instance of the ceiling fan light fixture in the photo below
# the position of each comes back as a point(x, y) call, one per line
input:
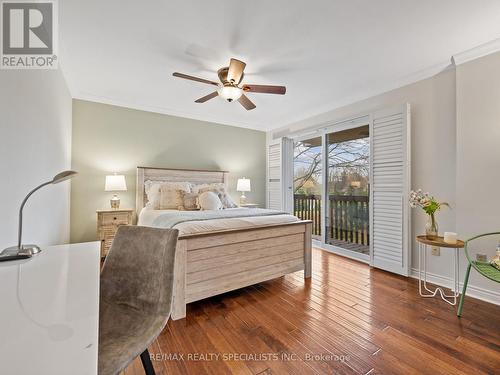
point(230, 93)
point(230, 87)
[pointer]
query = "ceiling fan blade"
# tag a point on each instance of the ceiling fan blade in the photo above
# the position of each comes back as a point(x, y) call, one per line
point(235, 72)
point(245, 102)
point(185, 76)
point(207, 97)
point(265, 89)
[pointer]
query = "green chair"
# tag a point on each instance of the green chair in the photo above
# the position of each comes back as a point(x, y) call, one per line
point(484, 268)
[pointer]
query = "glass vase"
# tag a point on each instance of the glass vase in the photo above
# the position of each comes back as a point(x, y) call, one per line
point(431, 228)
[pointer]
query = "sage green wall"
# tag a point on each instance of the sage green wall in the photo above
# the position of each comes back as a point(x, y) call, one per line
point(110, 139)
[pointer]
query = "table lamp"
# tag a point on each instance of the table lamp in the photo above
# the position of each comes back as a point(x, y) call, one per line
point(243, 186)
point(115, 183)
point(27, 251)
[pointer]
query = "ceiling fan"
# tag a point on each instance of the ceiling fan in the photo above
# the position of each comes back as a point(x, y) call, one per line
point(230, 87)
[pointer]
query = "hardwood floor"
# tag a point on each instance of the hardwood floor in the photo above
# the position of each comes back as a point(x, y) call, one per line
point(347, 319)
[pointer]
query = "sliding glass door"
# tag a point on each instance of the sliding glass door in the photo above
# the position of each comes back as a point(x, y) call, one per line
point(307, 182)
point(351, 179)
point(347, 170)
point(348, 189)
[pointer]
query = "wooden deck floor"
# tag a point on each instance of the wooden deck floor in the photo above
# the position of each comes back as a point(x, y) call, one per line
point(348, 319)
point(363, 249)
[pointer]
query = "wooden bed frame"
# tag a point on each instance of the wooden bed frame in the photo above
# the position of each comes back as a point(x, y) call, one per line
point(212, 263)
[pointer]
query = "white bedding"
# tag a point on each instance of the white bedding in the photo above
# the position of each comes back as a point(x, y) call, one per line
point(148, 216)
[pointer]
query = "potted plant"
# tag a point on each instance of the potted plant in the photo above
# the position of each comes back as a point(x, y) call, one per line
point(430, 205)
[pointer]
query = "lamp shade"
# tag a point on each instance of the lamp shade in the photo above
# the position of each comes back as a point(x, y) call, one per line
point(243, 184)
point(115, 183)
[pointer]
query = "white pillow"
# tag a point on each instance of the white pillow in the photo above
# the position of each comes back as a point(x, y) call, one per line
point(209, 201)
point(219, 189)
point(153, 191)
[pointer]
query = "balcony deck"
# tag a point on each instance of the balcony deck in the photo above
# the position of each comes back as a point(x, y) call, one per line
point(363, 249)
point(348, 223)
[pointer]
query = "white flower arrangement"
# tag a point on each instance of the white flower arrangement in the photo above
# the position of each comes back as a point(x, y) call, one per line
point(427, 202)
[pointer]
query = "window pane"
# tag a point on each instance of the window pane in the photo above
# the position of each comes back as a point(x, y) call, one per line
point(307, 182)
point(348, 187)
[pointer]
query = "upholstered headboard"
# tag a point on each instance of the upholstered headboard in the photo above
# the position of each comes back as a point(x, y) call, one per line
point(194, 176)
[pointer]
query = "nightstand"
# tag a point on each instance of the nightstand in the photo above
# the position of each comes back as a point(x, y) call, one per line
point(108, 222)
point(249, 205)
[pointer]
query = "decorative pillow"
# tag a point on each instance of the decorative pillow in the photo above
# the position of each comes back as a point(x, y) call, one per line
point(227, 201)
point(171, 199)
point(209, 201)
point(190, 201)
point(153, 191)
point(198, 189)
point(220, 190)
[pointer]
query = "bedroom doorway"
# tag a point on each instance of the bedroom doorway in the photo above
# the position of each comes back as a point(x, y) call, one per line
point(308, 182)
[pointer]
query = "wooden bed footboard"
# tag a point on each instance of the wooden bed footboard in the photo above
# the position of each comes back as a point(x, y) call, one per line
point(213, 263)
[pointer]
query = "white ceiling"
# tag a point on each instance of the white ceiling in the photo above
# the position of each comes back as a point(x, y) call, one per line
point(327, 52)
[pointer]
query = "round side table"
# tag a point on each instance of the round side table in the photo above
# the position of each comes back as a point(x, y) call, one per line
point(423, 242)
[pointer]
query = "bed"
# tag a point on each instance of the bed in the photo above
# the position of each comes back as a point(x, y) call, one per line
point(222, 251)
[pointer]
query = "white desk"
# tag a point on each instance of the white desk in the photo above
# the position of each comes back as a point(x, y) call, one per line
point(49, 312)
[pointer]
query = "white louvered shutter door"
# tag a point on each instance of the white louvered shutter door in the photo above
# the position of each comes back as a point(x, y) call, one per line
point(274, 185)
point(390, 185)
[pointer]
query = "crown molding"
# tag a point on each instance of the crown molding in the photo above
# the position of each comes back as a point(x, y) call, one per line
point(476, 52)
point(297, 122)
point(457, 59)
point(161, 110)
point(309, 120)
point(289, 121)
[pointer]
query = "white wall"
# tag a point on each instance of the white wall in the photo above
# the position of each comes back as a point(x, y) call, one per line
point(478, 153)
point(434, 155)
point(35, 144)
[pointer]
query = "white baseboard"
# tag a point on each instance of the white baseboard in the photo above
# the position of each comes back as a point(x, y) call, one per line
point(472, 291)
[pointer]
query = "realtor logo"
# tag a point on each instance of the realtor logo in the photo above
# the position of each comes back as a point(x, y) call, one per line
point(29, 39)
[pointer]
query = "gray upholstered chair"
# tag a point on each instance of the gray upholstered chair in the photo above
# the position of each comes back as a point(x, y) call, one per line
point(136, 295)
